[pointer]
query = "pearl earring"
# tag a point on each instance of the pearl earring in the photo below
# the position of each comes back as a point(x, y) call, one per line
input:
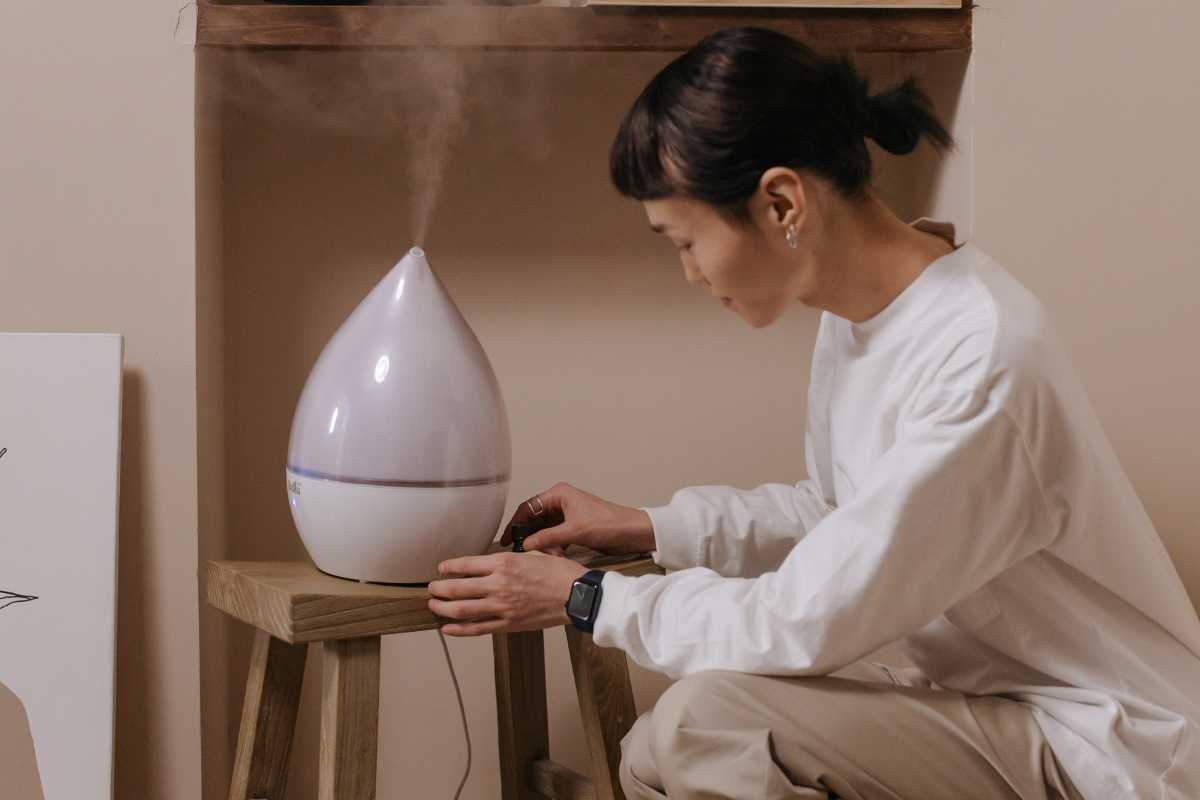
point(791, 237)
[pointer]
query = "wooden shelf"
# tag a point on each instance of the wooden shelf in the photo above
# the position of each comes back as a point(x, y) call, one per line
point(545, 27)
point(295, 602)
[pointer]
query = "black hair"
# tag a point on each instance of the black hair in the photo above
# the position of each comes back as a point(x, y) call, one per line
point(745, 99)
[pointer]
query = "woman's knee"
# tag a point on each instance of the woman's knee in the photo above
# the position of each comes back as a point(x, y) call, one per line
point(636, 740)
point(638, 773)
point(695, 701)
point(654, 745)
point(693, 695)
point(724, 701)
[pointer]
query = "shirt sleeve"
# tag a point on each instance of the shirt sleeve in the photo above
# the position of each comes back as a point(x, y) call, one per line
point(734, 532)
point(953, 502)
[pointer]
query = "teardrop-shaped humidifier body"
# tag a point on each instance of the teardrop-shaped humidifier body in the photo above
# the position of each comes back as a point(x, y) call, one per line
point(399, 455)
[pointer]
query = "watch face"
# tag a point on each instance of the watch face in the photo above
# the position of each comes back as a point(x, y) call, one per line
point(580, 602)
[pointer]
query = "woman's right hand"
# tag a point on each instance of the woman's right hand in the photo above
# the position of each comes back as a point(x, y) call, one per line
point(579, 517)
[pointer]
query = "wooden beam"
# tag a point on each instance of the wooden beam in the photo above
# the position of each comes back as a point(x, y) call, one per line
point(522, 721)
point(530, 27)
point(349, 720)
point(269, 710)
point(606, 705)
point(556, 781)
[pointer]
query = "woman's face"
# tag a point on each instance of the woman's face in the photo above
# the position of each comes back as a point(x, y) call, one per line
point(746, 265)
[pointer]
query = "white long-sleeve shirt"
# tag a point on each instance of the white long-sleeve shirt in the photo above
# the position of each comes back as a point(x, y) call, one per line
point(963, 498)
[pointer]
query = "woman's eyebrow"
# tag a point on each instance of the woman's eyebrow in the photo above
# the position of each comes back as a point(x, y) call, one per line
point(658, 228)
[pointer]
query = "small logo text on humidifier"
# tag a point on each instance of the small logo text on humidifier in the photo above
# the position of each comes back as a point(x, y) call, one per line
point(3, 450)
point(293, 487)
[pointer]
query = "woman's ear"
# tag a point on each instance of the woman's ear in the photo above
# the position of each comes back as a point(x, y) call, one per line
point(780, 199)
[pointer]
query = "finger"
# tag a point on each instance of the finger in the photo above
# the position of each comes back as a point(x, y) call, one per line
point(471, 565)
point(474, 628)
point(550, 509)
point(464, 609)
point(459, 588)
point(558, 536)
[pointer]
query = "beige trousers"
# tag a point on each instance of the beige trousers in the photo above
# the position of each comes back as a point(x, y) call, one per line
point(866, 732)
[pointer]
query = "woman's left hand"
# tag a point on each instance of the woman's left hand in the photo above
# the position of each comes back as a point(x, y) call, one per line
point(503, 592)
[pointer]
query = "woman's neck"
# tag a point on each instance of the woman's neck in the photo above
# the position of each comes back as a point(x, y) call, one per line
point(870, 256)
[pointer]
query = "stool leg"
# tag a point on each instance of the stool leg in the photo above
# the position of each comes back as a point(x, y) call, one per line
point(522, 723)
point(606, 704)
point(268, 718)
point(349, 719)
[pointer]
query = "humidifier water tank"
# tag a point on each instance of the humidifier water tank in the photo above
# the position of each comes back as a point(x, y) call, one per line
point(399, 455)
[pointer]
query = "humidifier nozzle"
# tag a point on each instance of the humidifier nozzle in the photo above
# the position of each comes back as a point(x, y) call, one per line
point(518, 531)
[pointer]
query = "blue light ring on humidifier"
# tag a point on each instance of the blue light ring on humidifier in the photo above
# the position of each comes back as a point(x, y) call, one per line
point(308, 473)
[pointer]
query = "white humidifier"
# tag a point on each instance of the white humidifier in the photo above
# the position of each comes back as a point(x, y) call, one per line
point(399, 456)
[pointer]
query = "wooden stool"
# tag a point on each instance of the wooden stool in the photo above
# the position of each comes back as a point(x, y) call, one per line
point(292, 604)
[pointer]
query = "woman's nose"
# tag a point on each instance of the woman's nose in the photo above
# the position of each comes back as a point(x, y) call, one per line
point(693, 275)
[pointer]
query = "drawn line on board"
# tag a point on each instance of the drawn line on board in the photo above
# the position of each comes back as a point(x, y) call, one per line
point(12, 598)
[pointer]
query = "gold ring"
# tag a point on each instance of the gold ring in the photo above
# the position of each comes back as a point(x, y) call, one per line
point(539, 511)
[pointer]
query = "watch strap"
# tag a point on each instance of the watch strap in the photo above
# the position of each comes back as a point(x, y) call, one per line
point(594, 578)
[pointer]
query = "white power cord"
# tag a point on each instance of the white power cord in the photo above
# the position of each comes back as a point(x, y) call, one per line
point(462, 709)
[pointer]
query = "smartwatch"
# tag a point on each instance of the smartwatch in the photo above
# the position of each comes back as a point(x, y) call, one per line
point(584, 603)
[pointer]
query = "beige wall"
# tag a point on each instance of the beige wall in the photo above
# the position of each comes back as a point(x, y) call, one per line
point(1082, 123)
point(1086, 190)
point(96, 234)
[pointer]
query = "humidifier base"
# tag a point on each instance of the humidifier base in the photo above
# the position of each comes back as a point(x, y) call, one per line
point(376, 583)
point(392, 534)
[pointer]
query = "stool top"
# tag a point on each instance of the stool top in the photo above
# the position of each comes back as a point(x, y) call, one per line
point(296, 602)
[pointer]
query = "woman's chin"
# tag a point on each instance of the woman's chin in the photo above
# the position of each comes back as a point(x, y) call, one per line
point(759, 317)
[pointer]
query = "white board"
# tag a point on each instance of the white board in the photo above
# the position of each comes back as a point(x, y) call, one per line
point(60, 413)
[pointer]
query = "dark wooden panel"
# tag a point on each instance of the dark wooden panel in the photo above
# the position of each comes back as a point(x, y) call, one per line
point(569, 28)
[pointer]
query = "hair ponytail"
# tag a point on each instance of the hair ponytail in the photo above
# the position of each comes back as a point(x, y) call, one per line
point(745, 99)
point(901, 115)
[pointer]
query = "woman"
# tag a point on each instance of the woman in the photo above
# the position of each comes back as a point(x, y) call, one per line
point(962, 497)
